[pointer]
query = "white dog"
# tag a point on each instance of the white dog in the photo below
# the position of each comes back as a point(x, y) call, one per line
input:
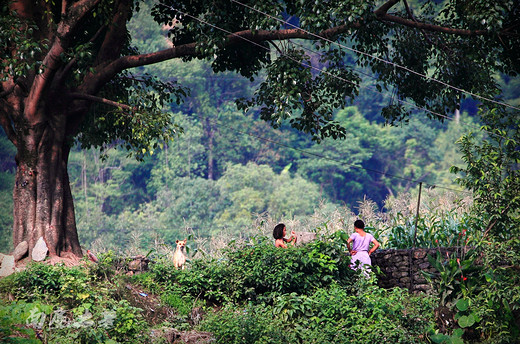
point(179, 257)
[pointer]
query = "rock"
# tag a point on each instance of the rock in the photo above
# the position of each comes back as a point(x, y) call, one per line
point(40, 250)
point(20, 251)
point(405, 280)
point(419, 254)
point(1, 257)
point(135, 265)
point(7, 266)
point(424, 266)
point(139, 263)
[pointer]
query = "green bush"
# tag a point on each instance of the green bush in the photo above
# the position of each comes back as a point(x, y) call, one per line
point(183, 304)
point(254, 324)
point(76, 305)
point(482, 290)
point(333, 314)
point(261, 271)
point(13, 320)
point(70, 285)
point(496, 301)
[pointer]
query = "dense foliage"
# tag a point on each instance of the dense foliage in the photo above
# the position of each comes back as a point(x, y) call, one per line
point(70, 304)
point(492, 173)
point(260, 272)
point(253, 294)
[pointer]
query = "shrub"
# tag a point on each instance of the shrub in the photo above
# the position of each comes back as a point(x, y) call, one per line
point(254, 324)
point(13, 320)
point(77, 306)
point(332, 314)
point(481, 292)
point(496, 301)
point(261, 271)
point(70, 285)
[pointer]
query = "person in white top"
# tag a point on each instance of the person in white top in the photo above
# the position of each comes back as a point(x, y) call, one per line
point(361, 243)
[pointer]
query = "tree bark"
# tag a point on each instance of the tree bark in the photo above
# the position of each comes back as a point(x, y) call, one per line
point(210, 134)
point(43, 204)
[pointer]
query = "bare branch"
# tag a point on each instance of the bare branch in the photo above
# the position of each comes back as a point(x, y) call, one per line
point(99, 100)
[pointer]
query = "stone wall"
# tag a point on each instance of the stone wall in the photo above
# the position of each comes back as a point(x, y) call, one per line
point(402, 268)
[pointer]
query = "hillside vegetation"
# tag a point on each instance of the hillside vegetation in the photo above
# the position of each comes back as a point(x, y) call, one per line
point(253, 292)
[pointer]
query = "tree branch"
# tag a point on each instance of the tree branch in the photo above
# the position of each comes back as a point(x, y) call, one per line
point(78, 10)
point(492, 223)
point(106, 73)
point(52, 59)
point(63, 7)
point(442, 47)
point(63, 74)
point(7, 91)
point(5, 122)
point(111, 48)
point(5, 119)
point(382, 15)
point(99, 100)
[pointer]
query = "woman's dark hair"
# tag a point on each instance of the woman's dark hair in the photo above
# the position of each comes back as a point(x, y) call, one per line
point(359, 224)
point(278, 231)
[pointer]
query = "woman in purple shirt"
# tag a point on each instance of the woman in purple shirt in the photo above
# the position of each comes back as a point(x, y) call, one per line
point(360, 249)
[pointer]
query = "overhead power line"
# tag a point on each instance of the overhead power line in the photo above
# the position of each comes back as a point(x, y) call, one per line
point(306, 64)
point(319, 70)
point(304, 151)
point(378, 58)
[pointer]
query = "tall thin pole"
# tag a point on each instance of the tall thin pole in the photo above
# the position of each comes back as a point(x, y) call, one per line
point(417, 215)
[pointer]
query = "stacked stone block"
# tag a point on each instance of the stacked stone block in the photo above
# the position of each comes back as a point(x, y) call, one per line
point(402, 268)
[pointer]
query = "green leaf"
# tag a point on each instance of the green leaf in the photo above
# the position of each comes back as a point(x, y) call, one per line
point(456, 340)
point(439, 338)
point(458, 332)
point(343, 236)
point(466, 321)
point(462, 305)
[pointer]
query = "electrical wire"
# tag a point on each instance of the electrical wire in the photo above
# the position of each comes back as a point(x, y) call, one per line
point(321, 70)
point(304, 151)
point(378, 58)
point(308, 65)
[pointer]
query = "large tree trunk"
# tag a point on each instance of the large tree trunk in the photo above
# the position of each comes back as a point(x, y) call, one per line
point(43, 204)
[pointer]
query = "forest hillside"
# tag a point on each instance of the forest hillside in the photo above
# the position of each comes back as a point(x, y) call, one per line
point(226, 169)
